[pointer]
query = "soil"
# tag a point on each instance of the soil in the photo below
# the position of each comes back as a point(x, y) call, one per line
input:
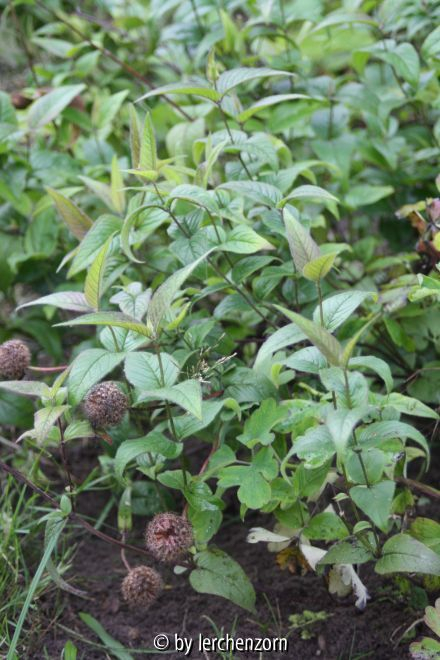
point(345, 633)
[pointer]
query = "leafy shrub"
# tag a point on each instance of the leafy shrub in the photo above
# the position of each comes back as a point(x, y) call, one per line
point(236, 271)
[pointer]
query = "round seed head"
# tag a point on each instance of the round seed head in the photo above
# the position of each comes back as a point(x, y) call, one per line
point(15, 357)
point(105, 405)
point(168, 537)
point(141, 587)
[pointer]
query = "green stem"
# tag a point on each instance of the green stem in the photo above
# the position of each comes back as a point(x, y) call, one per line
point(347, 389)
point(321, 309)
point(169, 413)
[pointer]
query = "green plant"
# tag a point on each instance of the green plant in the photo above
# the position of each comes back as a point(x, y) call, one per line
point(428, 647)
point(220, 243)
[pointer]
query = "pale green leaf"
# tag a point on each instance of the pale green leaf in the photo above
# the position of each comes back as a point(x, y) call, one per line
point(404, 554)
point(95, 276)
point(88, 368)
point(48, 107)
point(78, 222)
point(319, 336)
point(219, 574)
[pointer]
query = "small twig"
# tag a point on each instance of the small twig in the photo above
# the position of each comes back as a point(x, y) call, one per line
point(49, 370)
point(123, 556)
point(416, 485)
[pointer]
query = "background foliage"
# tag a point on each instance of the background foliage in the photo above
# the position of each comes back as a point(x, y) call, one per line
point(230, 210)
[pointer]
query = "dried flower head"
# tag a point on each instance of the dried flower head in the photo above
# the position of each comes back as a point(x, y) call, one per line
point(141, 587)
point(15, 358)
point(105, 405)
point(168, 537)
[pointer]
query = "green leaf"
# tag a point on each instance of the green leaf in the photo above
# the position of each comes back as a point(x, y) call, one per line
point(143, 370)
point(285, 336)
point(254, 491)
point(187, 395)
point(409, 406)
point(374, 462)
point(114, 319)
point(258, 426)
point(346, 553)
point(26, 387)
point(193, 89)
point(219, 574)
point(375, 501)
point(377, 432)
point(44, 420)
point(163, 297)
point(308, 193)
point(48, 107)
point(318, 268)
point(338, 308)
point(231, 79)
point(111, 644)
point(153, 442)
point(117, 186)
point(135, 136)
point(326, 526)
point(102, 229)
point(148, 152)
point(244, 240)
point(257, 191)
point(341, 423)
point(432, 618)
point(319, 336)
point(88, 368)
point(302, 246)
point(404, 554)
point(78, 222)
point(428, 532)
point(95, 276)
point(364, 195)
point(375, 364)
point(269, 101)
point(74, 301)
point(315, 447)
point(101, 190)
point(431, 45)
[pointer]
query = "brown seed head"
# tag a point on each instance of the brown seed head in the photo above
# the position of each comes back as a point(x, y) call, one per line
point(168, 537)
point(105, 405)
point(15, 357)
point(141, 587)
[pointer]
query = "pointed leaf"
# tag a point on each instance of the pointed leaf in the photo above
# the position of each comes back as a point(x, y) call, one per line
point(302, 246)
point(375, 501)
point(78, 222)
point(95, 276)
point(319, 336)
point(219, 574)
point(148, 153)
point(88, 368)
point(404, 554)
point(318, 268)
point(230, 79)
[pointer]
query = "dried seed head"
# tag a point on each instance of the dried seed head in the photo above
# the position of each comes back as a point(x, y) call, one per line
point(105, 405)
point(168, 537)
point(141, 587)
point(15, 357)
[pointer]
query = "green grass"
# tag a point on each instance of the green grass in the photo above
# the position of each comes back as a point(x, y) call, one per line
point(20, 550)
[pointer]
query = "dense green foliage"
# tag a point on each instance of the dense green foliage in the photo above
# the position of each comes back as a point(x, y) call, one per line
point(217, 207)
